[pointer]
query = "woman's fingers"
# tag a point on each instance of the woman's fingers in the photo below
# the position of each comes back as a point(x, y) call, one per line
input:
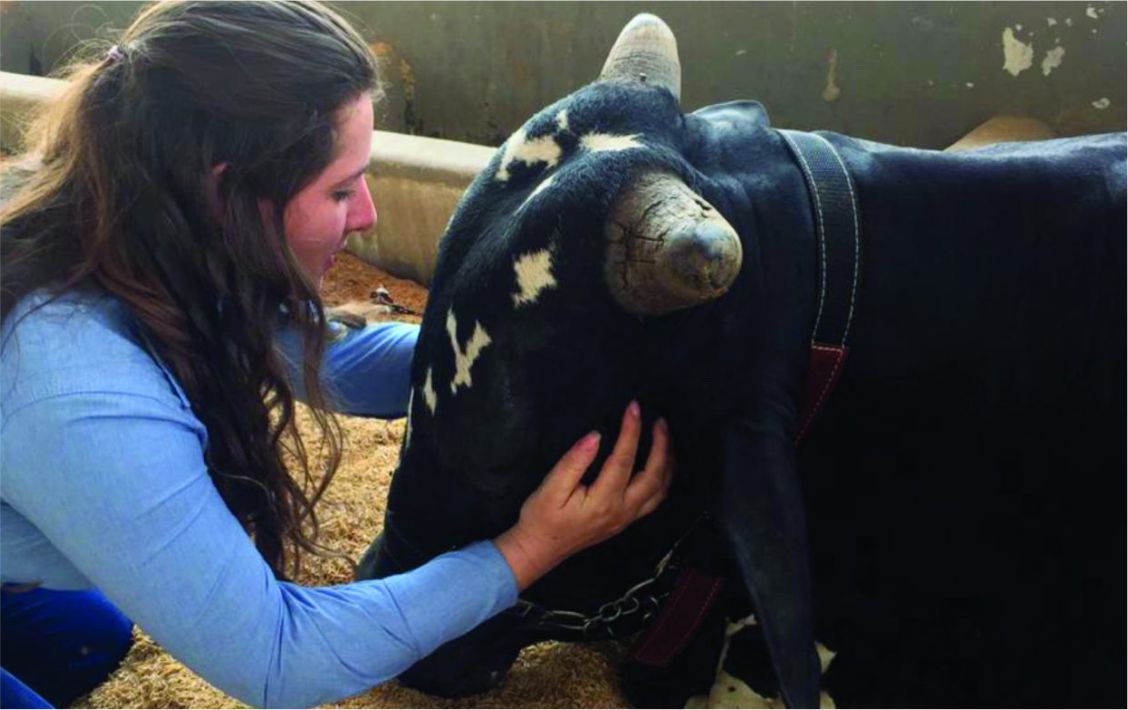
point(616, 472)
point(656, 500)
point(565, 476)
point(648, 488)
point(615, 491)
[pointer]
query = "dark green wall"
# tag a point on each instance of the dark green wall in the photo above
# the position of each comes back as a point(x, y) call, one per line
point(910, 73)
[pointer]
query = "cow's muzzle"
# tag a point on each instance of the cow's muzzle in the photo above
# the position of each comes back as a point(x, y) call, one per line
point(473, 663)
point(470, 664)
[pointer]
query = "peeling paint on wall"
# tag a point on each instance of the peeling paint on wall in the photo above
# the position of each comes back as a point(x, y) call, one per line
point(1091, 11)
point(1052, 60)
point(1017, 56)
point(831, 92)
point(1101, 104)
point(407, 77)
point(1050, 22)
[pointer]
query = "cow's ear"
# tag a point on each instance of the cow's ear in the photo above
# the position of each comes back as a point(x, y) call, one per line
point(760, 507)
point(735, 115)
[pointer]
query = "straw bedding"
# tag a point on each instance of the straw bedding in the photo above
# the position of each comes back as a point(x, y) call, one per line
point(547, 675)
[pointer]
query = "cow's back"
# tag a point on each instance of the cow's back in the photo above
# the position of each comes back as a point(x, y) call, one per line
point(975, 443)
point(1005, 262)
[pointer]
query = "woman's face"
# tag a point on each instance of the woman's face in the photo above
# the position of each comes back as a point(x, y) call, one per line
point(337, 202)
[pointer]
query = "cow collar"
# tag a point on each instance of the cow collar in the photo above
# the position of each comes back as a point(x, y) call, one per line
point(619, 617)
point(838, 252)
point(834, 203)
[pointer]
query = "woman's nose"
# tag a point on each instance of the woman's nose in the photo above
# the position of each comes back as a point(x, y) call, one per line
point(362, 211)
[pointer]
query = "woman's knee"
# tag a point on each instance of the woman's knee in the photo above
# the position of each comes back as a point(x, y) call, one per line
point(102, 644)
point(112, 633)
point(63, 644)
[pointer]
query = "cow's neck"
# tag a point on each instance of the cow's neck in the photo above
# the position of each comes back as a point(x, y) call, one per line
point(749, 349)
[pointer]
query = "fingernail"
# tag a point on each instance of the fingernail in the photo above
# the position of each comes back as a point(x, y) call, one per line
point(590, 442)
point(632, 408)
point(662, 423)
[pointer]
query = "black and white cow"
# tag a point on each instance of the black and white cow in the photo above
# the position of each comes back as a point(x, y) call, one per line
point(952, 525)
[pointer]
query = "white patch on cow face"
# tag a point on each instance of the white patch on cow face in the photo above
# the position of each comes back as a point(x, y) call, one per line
point(534, 274)
point(602, 142)
point(544, 183)
point(464, 359)
point(562, 120)
point(519, 148)
point(825, 656)
point(429, 393)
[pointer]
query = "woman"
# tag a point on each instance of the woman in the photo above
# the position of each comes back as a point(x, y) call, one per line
point(160, 316)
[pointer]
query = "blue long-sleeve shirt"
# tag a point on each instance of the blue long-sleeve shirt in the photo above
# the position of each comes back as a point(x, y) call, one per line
point(103, 483)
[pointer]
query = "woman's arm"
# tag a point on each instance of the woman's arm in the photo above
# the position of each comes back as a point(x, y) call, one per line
point(367, 369)
point(118, 483)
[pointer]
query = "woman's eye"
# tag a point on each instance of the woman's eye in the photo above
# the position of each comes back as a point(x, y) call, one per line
point(343, 195)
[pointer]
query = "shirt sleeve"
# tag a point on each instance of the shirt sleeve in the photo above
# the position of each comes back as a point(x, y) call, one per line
point(118, 483)
point(367, 370)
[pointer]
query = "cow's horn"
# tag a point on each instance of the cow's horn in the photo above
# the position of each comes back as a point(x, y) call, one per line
point(646, 51)
point(667, 247)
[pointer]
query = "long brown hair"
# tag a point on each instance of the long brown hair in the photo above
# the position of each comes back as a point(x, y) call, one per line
point(120, 203)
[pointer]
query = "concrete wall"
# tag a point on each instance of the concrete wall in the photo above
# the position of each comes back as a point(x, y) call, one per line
point(920, 73)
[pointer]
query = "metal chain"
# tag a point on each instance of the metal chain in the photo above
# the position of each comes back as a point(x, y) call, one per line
point(600, 624)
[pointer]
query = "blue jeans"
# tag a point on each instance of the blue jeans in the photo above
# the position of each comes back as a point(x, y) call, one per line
point(57, 645)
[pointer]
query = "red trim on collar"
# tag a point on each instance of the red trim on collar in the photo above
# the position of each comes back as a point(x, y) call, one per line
point(692, 597)
point(822, 375)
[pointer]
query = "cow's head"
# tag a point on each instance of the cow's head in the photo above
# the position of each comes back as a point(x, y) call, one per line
point(593, 260)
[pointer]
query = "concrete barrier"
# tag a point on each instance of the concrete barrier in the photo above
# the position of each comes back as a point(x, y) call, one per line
point(415, 181)
point(1003, 129)
point(20, 95)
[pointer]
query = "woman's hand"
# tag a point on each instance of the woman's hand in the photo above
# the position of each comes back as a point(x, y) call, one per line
point(563, 516)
